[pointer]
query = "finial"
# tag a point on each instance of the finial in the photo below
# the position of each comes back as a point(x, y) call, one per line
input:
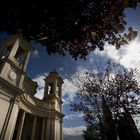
point(54, 69)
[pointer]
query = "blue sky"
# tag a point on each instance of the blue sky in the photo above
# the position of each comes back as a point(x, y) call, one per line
point(41, 64)
point(66, 66)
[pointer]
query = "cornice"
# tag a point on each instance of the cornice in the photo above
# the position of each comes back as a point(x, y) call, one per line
point(38, 110)
point(53, 96)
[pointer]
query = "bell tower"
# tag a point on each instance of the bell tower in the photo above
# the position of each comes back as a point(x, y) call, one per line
point(14, 56)
point(53, 89)
point(53, 84)
point(53, 99)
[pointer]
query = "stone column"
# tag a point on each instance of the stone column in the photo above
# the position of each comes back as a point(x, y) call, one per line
point(54, 87)
point(26, 59)
point(45, 91)
point(19, 133)
point(11, 122)
point(61, 130)
point(2, 135)
point(53, 129)
point(20, 83)
point(60, 91)
point(47, 130)
point(33, 128)
point(14, 48)
point(43, 130)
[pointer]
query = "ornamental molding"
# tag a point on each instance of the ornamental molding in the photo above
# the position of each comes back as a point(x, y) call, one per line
point(30, 105)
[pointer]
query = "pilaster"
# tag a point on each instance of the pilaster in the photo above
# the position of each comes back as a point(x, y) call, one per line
point(33, 128)
point(14, 48)
point(20, 128)
point(26, 59)
point(48, 128)
point(10, 121)
point(43, 130)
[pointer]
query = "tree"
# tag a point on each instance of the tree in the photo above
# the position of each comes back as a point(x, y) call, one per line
point(76, 26)
point(105, 97)
point(92, 133)
point(126, 127)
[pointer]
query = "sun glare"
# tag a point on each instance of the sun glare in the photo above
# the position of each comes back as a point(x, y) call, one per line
point(131, 57)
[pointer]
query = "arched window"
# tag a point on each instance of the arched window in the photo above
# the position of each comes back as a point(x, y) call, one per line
point(50, 88)
point(20, 55)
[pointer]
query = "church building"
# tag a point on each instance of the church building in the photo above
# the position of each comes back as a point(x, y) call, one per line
point(22, 116)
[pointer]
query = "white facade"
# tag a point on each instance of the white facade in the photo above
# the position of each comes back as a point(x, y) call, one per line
point(22, 116)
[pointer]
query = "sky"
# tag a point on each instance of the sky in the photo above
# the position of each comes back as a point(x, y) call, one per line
point(40, 64)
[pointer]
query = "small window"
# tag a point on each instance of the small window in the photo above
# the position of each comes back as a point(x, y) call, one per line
point(20, 55)
point(57, 88)
point(50, 88)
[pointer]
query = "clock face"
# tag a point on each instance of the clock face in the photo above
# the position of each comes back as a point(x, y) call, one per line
point(13, 75)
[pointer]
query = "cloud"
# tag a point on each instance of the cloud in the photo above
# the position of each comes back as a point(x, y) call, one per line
point(35, 53)
point(74, 131)
point(40, 80)
point(128, 55)
point(41, 84)
point(69, 91)
point(39, 94)
point(61, 69)
point(70, 133)
point(79, 137)
point(73, 116)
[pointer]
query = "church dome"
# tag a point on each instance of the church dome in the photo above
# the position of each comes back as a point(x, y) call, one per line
point(54, 73)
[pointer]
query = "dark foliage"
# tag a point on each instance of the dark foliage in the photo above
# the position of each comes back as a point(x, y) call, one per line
point(126, 127)
point(92, 133)
point(107, 97)
point(66, 25)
